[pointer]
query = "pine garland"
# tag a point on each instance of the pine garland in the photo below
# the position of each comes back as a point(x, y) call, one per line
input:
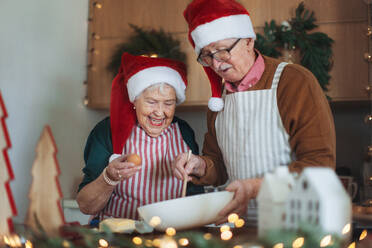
point(315, 47)
point(147, 42)
point(308, 236)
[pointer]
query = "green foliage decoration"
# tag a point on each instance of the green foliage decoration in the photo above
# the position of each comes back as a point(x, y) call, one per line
point(315, 47)
point(147, 42)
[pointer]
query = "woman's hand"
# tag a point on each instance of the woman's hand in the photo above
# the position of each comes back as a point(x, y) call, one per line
point(244, 191)
point(119, 169)
point(182, 168)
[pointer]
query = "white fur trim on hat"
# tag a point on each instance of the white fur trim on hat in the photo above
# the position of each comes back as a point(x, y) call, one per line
point(215, 104)
point(154, 75)
point(233, 26)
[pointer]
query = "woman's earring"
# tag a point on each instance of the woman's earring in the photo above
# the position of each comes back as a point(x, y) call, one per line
point(134, 107)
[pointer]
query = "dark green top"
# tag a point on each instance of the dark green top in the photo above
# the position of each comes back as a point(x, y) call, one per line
point(98, 150)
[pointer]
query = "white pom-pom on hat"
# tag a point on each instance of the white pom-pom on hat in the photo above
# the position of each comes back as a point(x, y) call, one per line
point(215, 104)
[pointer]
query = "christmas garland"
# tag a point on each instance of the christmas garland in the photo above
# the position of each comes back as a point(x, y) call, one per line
point(315, 47)
point(307, 236)
point(149, 43)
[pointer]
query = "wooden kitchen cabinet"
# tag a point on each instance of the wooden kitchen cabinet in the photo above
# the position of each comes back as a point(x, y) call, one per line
point(344, 21)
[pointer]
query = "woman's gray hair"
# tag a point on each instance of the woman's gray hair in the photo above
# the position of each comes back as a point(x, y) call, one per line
point(159, 86)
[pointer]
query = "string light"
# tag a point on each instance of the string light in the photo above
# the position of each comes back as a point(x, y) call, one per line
point(155, 221)
point(86, 101)
point(97, 5)
point(363, 235)
point(156, 242)
point(183, 242)
point(28, 244)
point(232, 218)
point(224, 228)
point(137, 241)
point(207, 236)
point(325, 241)
point(65, 244)
point(226, 235)
point(239, 223)
point(148, 243)
point(170, 231)
point(168, 242)
point(346, 229)
point(238, 246)
point(369, 31)
point(352, 245)
point(279, 245)
point(299, 242)
point(103, 243)
point(96, 36)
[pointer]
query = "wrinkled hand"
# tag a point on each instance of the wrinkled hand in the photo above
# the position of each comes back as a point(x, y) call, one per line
point(120, 169)
point(244, 190)
point(195, 166)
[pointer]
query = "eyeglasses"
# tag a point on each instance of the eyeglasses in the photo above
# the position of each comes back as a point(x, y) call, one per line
point(220, 55)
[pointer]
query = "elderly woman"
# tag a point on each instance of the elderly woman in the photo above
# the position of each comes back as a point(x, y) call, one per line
point(143, 101)
point(272, 113)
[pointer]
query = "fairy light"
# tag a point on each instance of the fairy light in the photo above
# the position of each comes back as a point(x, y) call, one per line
point(154, 55)
point(170, 231)
point(98, 5)
point(148, 243)
point(346, 229)
point(96, 36)
point(168, 242)
point(363, 235)
point(6, 240)
point(224, 228)
point(207, 236)
point(12, 241)
point(156, 242)
point(238, 246)
point(183, 242)
point(352, 245)
point(278, 245)
point(325, 241)
point(155, 221)
point(226, 235)
point(137, 240)
point(103, 243)
point(232, 217)
point(299, 242)
point(239, 223)
point(28, 244)
point(65, 244)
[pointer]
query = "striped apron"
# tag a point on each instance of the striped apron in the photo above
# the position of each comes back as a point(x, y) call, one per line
point(250, 133)
point(155, 181)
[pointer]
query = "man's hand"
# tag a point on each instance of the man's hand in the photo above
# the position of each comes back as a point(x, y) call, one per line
point(244, 190)
point(183, 168)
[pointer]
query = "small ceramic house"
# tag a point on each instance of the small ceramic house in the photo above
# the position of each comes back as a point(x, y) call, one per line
point(272, 199)
point(318, 198)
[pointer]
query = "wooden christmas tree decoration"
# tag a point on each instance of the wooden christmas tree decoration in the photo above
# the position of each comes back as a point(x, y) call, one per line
point(7, 205)
point(45, 193)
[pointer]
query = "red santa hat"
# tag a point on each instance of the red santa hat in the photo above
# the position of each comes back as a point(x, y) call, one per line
point(214, 20)
point(136, 73)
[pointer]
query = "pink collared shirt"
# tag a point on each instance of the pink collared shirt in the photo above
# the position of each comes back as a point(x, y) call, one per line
point(252, 77)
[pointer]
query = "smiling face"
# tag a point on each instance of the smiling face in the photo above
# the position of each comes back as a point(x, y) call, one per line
point(155, 108)
point(241, 60)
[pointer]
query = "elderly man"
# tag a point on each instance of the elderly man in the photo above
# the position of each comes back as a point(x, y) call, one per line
point(266, 114)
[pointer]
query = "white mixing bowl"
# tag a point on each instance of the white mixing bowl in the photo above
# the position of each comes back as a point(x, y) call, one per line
point(187, 212)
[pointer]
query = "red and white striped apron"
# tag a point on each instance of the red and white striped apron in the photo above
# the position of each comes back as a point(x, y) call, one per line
point(155, 181)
